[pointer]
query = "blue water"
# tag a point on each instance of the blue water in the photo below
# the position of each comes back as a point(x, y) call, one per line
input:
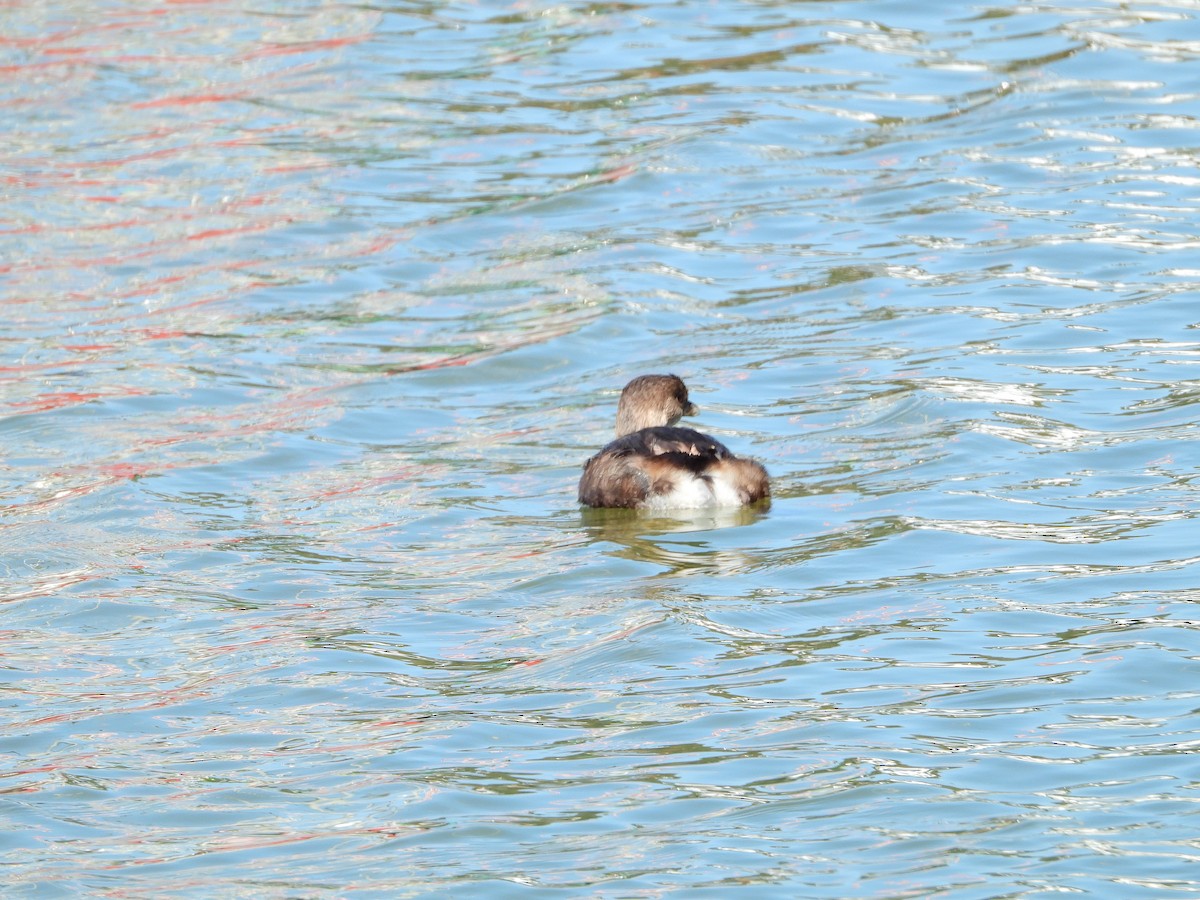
point(313, 311)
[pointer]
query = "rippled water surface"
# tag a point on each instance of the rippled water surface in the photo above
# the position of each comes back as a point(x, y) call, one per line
point(312, 311)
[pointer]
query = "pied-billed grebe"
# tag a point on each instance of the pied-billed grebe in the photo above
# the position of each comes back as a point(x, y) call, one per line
point(654, 465)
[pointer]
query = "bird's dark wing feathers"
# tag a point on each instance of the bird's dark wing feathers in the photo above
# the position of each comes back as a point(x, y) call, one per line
point(685, 447)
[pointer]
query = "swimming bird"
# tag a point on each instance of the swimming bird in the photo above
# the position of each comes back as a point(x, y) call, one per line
point(655, 465)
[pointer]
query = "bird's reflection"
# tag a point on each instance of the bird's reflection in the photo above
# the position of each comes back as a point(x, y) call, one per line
point(638, 536)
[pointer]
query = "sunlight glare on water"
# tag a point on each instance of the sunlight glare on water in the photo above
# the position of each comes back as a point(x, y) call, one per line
point(314, 310)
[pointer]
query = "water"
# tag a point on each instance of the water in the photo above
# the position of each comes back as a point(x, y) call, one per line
point(313, 311)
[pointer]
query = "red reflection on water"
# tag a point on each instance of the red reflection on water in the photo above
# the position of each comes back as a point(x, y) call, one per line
point(43, 402)
point(304, 46)
point(379, 244)
point(37, 227)
point(121, 470)
point(441, 363)
point(161, 334)
point(48, 585)
point(189, 100)
point(226, 232)
point(290, 412)
point(41, 367)
point(149, 201)
point(618, 173)
point(152, 287)
point(405, 473)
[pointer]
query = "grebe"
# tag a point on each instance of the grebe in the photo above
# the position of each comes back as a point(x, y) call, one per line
point(654, 465)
